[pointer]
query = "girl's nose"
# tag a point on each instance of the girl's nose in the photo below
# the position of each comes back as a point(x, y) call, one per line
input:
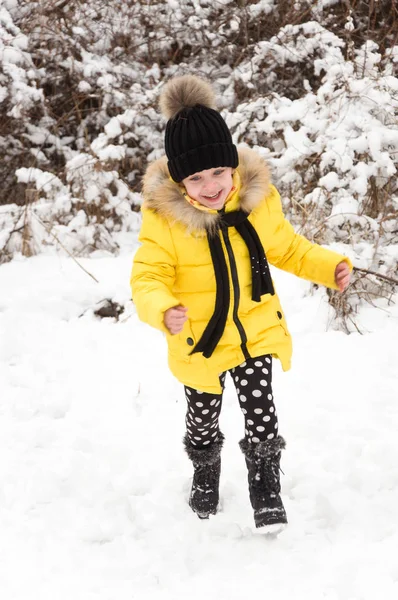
point(211, 189)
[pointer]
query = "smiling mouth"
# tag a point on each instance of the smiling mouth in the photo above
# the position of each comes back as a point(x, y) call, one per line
point(214, 197)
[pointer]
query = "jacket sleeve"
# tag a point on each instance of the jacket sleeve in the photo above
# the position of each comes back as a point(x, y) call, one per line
point(292, 252)
point(153, 272)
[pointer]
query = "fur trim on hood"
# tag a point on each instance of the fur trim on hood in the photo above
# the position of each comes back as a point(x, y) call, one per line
point(164, 196)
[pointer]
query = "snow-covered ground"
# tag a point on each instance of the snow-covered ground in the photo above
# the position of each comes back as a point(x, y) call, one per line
point(94, 481)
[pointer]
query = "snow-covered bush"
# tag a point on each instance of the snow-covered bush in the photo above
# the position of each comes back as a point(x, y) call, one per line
point(334, 150)
point(312, 85)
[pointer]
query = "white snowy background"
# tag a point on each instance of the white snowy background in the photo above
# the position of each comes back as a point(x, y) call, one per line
point(93, 478)
point(94, 481)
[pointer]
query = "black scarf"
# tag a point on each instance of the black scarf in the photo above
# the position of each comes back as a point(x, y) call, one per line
point(261, 278)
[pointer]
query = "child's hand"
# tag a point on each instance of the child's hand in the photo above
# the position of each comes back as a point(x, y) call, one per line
point(342, 276)
point(174, 319)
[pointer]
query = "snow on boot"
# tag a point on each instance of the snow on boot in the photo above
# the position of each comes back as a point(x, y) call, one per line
point(206, 479)
point(263, 460)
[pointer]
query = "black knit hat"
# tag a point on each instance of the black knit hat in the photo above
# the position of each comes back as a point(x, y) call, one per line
point(197, 136)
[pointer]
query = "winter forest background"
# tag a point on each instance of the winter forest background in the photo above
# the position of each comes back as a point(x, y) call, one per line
point(311, 84)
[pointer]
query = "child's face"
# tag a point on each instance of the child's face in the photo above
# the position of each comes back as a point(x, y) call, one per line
point(210, 187)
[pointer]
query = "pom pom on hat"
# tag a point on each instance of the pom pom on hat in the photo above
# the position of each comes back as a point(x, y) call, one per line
point(185, 92)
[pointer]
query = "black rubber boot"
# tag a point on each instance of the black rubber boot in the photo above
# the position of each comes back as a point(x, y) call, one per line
point(206, 478)
point(263, 460)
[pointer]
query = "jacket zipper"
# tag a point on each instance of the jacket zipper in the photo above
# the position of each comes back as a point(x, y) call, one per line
point(235, 283)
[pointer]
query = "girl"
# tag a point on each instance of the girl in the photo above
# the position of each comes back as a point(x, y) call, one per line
point(212, 223)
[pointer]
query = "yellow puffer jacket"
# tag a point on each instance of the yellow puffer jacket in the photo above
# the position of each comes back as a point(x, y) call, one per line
point(173, 266)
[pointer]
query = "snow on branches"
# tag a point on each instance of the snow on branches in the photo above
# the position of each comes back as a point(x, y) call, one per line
point(312, 85)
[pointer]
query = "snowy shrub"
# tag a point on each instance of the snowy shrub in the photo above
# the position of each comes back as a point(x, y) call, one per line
point(334, 149)
point(20, 98)
point(91, 211)
point(312, 85)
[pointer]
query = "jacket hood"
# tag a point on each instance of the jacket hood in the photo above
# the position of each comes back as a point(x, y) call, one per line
point(165, 197)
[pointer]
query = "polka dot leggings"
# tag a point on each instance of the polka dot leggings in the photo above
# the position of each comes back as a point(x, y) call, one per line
point(252, 380)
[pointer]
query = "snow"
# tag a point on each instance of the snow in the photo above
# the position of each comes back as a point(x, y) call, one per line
point(111, 152)
point(113, 128)
point(94, 481)
point(263, 6)
point(349, 26)
point(44, 181)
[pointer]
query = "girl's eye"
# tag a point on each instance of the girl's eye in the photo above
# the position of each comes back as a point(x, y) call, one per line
point(194, 179)
point(219, 172)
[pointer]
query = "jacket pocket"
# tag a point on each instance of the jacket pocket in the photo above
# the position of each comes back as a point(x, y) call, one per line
point(182, 344)
point(281, 320)
point(276, 315)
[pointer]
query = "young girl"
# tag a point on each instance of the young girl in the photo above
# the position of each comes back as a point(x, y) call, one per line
point(212, 223)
